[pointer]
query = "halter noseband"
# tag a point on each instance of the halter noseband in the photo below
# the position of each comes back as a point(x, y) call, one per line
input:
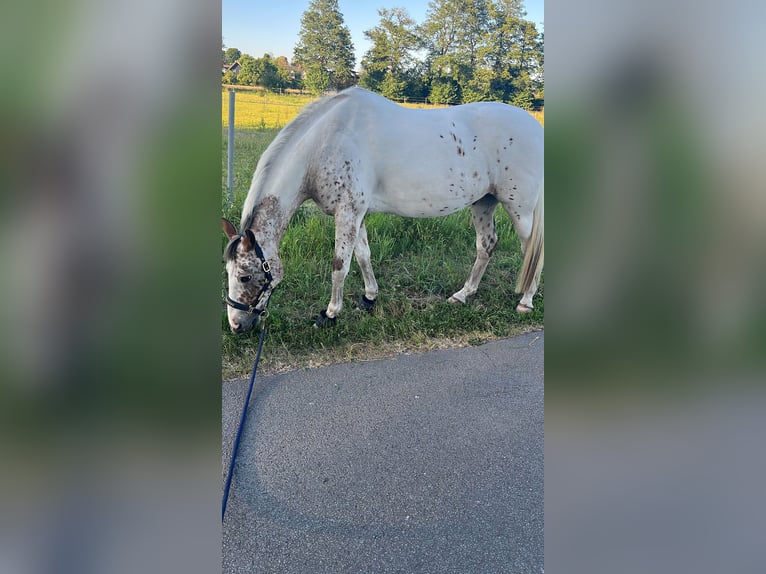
point(266, 267)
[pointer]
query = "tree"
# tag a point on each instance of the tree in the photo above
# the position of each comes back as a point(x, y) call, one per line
point(285, 72)
point(259, 72)
point(389, 63)
point(268, 73)
point(540, 76)
point(457, 32)
point(316, 80)
point(248, 71)
point(231, 55)
point(393, 87)
point(515, 53)
point(324, 46)
point(484, 49)
point(444, 91)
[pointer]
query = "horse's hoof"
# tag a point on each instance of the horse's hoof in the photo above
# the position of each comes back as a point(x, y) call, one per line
point(523, 308)
point(324, 321)
point(366, 304)
point(455, 300)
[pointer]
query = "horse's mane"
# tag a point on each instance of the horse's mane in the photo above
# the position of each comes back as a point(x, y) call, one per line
point(231, 249)
point(299, 124)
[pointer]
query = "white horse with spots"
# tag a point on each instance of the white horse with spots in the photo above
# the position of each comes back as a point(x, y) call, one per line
point(357, 153)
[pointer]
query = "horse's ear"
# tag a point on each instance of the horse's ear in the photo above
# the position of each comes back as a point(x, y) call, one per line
point(248, 240)
point(228, 228)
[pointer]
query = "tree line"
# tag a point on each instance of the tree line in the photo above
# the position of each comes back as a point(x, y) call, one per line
point(268, 72)
point(464, 51)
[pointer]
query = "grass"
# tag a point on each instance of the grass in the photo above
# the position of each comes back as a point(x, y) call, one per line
point(263, 110)
point(266, 110)
point(418, 264)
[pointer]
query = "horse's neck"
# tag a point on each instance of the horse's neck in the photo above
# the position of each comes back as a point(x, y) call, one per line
point(273, 211)
point(280, 188)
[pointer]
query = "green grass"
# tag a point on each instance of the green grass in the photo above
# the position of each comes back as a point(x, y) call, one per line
point(418, 264)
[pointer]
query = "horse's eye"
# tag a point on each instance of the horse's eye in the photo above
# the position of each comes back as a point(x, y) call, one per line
point(245, 278)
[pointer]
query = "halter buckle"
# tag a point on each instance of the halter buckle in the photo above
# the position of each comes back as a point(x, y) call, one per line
point(266, 266)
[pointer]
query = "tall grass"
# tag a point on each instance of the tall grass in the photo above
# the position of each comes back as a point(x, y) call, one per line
point(267, 110)
point(263, 110)
point(418, 263)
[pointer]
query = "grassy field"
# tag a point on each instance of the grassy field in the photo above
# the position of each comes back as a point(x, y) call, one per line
point(418, 264)
point(266, 110)
point(263, 110)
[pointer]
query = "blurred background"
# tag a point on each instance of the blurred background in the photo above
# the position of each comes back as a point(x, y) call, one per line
point(110, 272)
point(110, 306)
point(655, 323)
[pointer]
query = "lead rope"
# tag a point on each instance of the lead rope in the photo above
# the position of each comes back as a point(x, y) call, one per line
point(235, 448)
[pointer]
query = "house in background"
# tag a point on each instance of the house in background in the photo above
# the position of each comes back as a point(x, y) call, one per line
point(233, 68)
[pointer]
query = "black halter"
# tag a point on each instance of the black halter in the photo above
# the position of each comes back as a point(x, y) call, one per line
point(266, 267)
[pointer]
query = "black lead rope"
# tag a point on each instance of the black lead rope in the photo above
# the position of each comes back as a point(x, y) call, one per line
point(235, 448)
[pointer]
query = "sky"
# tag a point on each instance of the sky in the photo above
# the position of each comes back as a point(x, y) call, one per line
point(256, 27)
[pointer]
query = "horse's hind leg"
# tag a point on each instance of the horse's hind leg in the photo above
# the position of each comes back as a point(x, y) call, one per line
point(524, 223)
point(482, 213)
point(525, 305)
point(362, 253)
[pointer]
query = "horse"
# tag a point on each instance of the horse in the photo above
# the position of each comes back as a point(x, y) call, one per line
point(357, 152)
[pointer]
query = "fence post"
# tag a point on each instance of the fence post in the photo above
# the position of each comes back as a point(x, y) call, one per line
point(230, 178)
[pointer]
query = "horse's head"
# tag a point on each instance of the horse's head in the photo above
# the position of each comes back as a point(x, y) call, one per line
point(252, 279)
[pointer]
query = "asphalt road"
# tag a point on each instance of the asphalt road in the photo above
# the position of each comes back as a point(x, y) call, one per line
point(426, 464)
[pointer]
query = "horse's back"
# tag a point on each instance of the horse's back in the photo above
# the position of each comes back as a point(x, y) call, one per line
point(425, 163)
point(467, 130)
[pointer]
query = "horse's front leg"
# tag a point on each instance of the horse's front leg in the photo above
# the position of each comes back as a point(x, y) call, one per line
point(362, 253)
point(347, 224)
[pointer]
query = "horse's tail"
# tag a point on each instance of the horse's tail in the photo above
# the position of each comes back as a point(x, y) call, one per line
point(534, 255)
